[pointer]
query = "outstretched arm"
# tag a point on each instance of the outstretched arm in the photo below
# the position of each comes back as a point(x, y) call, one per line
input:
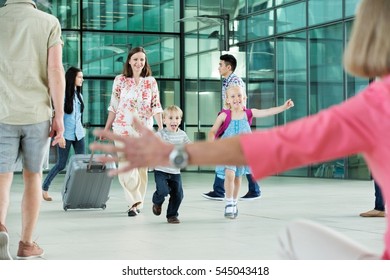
point(261, 113)
point(148, 150)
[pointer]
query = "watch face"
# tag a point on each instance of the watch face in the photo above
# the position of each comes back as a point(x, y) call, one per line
point(179, 159)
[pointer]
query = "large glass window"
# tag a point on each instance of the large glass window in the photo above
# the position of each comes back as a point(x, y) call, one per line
point(261, 25)
point(258, 5)
point(326, 83)
point(136, 15)
point(291, 69)
point(71, 49)
point(291, 17)
point(350, 7)
point(261, 80)
point(321, 11)
point(67, 11)
point(356, 165)
point(282, 2)
point(105, 53)
point(326, 71)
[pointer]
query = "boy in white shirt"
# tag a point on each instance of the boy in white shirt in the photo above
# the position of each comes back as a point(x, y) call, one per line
point(168, 179)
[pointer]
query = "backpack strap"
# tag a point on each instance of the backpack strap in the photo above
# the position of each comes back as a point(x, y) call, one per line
point(249, 115)
point(225, 124)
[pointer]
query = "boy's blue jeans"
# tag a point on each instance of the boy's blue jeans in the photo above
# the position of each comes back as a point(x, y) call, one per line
point(168, 184)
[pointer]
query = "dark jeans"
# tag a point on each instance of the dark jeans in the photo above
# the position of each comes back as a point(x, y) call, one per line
point(167, 183)
point(219, 189)
point(379, 203)
point(63, 153)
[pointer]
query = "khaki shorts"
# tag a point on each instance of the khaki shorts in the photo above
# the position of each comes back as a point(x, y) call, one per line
point(25, 143)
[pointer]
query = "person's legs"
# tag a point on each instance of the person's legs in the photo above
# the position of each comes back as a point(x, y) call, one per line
point(9, 158)
point(63, 154)
point(219, 184)
point(379, 202)
point(306, 240)
point(162, 190)
point(218, 192)
point(130, 182)
point(229, 192)
point(254, 191)
point(134, 183)
point(79, 146)
point(379, 207)
point(34, 145)
point(5, 187)
point(31, 203)
point(175, 196)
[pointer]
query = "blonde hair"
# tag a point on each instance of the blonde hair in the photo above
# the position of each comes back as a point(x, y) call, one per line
point(368, 51)
point(172, 109)
point(233, 87)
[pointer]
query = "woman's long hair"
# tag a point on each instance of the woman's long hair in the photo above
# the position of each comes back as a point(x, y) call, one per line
point(128, 72)
point(71, 89)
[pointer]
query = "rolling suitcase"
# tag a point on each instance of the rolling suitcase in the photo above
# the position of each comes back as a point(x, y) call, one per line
point(86, 184)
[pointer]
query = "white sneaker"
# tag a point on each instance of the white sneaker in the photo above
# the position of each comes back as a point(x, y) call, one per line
point(4, 244)
point(229, 211)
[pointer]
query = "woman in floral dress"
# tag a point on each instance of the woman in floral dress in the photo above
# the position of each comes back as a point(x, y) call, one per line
point(134, 94)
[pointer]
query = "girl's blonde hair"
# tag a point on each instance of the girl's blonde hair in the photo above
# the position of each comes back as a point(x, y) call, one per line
point(173, 109)
point(368, 51)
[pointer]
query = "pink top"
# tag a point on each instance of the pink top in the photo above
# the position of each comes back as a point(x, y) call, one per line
point(359, 125)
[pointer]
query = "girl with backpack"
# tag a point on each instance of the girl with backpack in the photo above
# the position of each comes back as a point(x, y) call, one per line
point(233, 121)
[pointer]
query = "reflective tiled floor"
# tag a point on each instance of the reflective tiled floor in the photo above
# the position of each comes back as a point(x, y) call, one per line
point(203, 233)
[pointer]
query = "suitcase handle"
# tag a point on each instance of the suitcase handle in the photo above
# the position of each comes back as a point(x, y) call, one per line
point(89, 167)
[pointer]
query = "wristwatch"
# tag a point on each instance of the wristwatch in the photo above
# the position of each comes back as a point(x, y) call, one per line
point(178, 157)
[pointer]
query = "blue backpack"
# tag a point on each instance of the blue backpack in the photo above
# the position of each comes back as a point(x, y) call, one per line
point(226, 123)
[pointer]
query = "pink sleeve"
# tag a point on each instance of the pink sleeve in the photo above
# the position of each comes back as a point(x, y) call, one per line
point(333, 133)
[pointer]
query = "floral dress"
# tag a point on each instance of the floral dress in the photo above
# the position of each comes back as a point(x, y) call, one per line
point(130, 100)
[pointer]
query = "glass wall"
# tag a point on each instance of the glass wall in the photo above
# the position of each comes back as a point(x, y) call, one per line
point(284, 48)
point(98, 36)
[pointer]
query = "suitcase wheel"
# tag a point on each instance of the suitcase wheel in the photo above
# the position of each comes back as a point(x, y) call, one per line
point(104, 206)
point(66, 208)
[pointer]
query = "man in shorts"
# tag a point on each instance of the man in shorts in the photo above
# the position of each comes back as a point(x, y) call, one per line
point(31, 83)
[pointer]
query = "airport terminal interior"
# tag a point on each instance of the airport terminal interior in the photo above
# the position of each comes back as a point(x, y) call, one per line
point(284, 49)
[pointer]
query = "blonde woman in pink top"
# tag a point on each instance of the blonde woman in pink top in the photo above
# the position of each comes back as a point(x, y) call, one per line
point(134, 94)
point(359, 125)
